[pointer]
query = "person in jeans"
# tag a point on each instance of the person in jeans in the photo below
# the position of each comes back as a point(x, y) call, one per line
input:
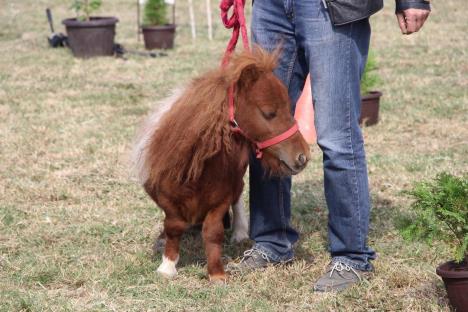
point(335, 56)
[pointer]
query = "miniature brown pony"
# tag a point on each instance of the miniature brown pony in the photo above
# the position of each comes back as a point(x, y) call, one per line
point(192, 163)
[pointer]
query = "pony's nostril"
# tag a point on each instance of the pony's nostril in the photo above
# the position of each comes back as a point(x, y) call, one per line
point(302, 159)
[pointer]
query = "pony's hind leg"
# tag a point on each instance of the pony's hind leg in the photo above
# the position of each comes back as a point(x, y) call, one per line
point(213, 236)
point(240, 225)
point(159, 244)
point(173, 229)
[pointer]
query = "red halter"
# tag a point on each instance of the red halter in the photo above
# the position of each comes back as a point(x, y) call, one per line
point(259, 146)
point(237, 22)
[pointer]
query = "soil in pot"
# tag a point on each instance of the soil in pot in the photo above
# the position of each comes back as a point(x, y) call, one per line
point(159, 37)
point(370, 104)
point(91, 38)
point(455, 277)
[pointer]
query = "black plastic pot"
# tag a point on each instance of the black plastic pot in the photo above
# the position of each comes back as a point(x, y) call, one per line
point(370, 104)
point(91, 38)
point(159, 37)
point(455, 277)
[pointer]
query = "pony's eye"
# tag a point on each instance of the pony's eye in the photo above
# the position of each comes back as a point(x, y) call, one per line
point(269, 115)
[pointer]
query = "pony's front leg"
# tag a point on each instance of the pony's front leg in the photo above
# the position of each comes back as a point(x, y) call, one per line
point(173, 229)
point(213, 236)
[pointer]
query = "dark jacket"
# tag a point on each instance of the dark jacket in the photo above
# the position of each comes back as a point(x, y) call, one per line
point(347, 11)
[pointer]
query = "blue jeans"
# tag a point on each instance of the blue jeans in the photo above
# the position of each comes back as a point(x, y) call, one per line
point(335, 58)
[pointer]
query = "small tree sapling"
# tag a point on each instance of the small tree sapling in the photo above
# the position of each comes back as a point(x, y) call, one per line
point(155, 12)
point(84, 8)
point(440, 213)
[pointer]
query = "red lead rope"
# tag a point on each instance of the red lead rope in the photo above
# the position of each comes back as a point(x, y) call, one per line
point(237, 22)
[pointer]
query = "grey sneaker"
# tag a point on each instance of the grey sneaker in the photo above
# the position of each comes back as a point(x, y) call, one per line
point(338, 277)
point(253, 259)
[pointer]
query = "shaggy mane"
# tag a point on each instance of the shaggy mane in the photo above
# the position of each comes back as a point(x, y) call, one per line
point(196, 127)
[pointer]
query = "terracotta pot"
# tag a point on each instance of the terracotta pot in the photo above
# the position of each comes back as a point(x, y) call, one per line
point(91, 38)
point(159, 37)
point(455, 277)
point(370, 104)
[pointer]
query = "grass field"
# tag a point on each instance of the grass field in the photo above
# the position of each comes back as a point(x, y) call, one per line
point(76, 231)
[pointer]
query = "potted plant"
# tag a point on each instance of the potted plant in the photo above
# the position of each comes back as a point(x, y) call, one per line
point(441, 213)
point(88, 35)
point(370, 98)
point(157, 33)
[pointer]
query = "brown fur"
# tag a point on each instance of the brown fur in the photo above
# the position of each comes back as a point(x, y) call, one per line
point(196, 163)
point(199, 119)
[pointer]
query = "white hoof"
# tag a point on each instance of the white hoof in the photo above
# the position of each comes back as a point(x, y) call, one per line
point(239, 235)
point(168, 268)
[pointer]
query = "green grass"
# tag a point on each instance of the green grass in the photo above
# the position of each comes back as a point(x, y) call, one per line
point(76, 232)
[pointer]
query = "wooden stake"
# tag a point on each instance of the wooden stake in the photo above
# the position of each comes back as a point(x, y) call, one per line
point(208, 19)
point(192, 20)
point(173, 13)
point(138, 20)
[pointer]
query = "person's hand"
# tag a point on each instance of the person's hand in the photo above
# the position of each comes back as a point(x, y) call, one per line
point(411, 20)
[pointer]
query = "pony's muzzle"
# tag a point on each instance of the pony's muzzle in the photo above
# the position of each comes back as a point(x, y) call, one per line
point(300, 162)
point(293, 155)
point(294, 164)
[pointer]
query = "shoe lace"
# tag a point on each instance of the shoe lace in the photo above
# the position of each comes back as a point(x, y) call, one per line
point(340, 266)
point(250, 253)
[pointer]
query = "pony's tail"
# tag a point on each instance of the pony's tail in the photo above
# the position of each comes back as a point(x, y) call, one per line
point(139, 167)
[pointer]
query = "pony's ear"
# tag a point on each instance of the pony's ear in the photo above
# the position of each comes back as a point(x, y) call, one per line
point(248, 76)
